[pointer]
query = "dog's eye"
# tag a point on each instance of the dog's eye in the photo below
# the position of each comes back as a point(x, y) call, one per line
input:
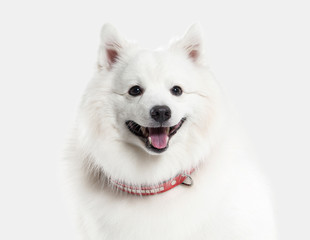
point(135, 91)
point(176, 90)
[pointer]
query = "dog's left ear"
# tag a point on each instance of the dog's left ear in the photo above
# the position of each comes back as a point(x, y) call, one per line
point(111, 47)
point(191, 43)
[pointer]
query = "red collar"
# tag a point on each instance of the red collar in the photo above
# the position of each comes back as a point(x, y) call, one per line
point(145, 190)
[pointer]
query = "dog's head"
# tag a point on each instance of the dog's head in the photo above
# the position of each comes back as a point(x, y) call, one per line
point(149, 108)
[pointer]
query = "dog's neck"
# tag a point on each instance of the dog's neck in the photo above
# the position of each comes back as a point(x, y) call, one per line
point(98, 177)
point(145, 190)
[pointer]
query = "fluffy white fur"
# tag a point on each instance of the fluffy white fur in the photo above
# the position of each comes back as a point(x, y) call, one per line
point(229, 199)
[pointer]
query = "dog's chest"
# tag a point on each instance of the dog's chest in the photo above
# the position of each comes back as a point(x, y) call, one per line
point(181, 213)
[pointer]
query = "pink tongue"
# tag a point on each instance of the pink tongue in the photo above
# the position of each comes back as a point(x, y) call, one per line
point(159, 137)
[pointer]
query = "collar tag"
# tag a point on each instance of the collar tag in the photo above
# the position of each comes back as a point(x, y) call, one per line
point(188, 181)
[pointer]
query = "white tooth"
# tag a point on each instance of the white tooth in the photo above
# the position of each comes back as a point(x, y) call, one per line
point(150, 140)
point(161, 188)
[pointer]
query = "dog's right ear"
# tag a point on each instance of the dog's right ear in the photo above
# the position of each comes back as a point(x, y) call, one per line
point(111, 47)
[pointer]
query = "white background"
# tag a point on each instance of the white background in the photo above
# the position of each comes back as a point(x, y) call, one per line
point(259, 51)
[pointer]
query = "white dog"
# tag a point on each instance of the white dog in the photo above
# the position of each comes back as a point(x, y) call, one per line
point(148, 122)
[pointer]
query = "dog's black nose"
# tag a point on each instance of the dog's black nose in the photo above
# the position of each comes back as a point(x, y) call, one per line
point(160, 113)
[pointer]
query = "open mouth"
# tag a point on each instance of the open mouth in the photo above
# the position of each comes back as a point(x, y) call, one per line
point(155, 139)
